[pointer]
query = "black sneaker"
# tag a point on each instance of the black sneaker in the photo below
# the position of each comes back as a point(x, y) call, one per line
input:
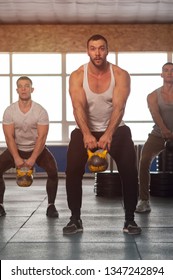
point(73, 226)
point(131, 227)
point(2, 211)
point(52, 212)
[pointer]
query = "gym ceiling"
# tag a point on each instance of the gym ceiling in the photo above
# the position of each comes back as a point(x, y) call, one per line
point(85, 11)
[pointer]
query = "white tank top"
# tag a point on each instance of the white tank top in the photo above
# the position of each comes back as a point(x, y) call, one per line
point(99, 105)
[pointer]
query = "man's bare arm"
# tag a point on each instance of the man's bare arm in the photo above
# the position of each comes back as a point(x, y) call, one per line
point(10, 141)
point(154, 110)
point(120, 96)
point(42, 131)
point(80, 107)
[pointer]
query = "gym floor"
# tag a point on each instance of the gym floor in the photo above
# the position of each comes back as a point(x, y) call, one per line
point(26, 233)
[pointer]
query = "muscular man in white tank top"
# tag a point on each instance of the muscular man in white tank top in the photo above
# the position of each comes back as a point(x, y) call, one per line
point(99, 92)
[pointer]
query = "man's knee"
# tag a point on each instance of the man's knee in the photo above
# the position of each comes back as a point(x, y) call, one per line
point(53, 174)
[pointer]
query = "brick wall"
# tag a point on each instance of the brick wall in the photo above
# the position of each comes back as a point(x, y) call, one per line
point(72, 38)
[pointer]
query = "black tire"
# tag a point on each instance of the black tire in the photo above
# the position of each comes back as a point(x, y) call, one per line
point(108, 184)
point(161, 184)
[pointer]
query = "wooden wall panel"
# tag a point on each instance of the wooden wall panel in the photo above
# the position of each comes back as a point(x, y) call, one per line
point(72, 38)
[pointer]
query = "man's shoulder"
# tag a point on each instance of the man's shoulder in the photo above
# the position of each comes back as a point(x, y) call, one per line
point(77, 75)
point(155, 92)
point(78, 71)
point(153, 96)
point(37, 105)
point(118, 70)
point(38, 110)
point(12, 106)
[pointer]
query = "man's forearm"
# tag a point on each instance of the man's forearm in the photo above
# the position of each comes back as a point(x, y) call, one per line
point(12, 147)
point(81, 120)
point(115, 120)
point(39, 146)
point(158, 120)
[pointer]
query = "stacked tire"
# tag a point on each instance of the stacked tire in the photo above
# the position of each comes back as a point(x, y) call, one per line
point(108, 184)
point(161, 184)
point(165, 162)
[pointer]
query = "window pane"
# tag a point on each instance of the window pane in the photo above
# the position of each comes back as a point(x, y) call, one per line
point(4, 94)
point(74, 60)
point(140, 131)
point(36, 63)
point(47, 92)
point(55, 132)
point(70, 129)
point(136, 107)
point(4, 63)
point(2, 137)
point(143, 62)
point(111, 58)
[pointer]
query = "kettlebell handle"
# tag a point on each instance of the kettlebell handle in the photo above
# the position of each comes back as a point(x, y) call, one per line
point(100, 153)
point(90, 154)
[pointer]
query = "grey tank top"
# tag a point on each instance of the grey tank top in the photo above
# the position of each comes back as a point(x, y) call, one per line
point(99, 105)
point(166, 111)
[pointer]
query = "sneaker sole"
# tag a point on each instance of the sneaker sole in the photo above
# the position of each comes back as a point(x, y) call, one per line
point(143, 211)
point(57, 216)
point(73, 232)
point(131, 233)
point(2, 215)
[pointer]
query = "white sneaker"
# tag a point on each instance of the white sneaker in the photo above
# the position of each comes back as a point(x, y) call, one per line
point(143, 206)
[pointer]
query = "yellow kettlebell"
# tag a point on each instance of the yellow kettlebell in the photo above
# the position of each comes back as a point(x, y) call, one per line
point(24, 177)
point(97, 161)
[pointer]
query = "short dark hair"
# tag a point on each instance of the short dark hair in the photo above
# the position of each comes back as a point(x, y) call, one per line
point(24, 78)
point(97, 37)
point(167, 63)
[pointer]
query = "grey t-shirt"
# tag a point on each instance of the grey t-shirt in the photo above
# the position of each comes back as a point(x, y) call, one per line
point(25, 124)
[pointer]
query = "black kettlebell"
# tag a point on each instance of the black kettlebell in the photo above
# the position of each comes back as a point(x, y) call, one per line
point(169, 145)
point(97, 161)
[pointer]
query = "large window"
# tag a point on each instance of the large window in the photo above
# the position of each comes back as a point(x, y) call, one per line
point(145, 69)
point(50, 75)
